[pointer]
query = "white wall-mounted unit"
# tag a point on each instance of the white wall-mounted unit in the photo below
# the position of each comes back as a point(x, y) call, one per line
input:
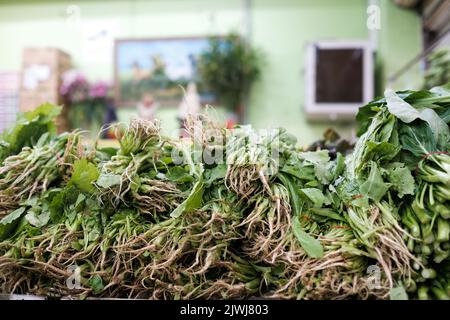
point(339, 79)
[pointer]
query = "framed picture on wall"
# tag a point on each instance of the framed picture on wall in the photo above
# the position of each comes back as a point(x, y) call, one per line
point(160, 67)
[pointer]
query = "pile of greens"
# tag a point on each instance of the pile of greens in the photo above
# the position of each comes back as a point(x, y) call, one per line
point(438, 71)
point(232, 213)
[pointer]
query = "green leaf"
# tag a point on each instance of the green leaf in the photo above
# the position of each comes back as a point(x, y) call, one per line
point(324, 172)
point(364, 116)
point(418, 139)
point(339, 166)
point(401, 179)
point(46, 111)
point(216, 173)
point(381, 151)
point(315, 157)
point(360, 202)
point(328, 213)
point(398, 293)
point(300, 170)
point(96, 284)
point(84, 174)
point(106, 153)
point(312, 246)
point(315, 195)
point(295, 200)
point(438, 126)
point(322, 165)
point(29, 127)
point(374, 187)
point(80, 199)
point(400, 108)
point(407, 113)
point(193, 201)
point(8, 223)
point(179, 175)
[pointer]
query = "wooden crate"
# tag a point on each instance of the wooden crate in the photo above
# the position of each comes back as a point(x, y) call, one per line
point(41, 78)
point(9, 98)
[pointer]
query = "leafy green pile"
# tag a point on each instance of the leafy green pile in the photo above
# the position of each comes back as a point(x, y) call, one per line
point(235, 213)
point(29, 127)
point(407, 144)
point(438, 71)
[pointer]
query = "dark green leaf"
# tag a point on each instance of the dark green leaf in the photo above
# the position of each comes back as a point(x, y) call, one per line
point(96, 284)
point(418, 139)
point(9, 222)
point(295, 200)
point(329, 213)
point(374, 187)
point(193, 201)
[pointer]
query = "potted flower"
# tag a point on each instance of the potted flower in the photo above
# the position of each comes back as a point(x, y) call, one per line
point(88, 104)
point(228, 67)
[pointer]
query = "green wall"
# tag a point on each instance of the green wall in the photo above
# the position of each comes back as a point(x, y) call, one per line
point(400, 41)
point(280, 28)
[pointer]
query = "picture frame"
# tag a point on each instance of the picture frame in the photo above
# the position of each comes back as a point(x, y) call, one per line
point(160, 66)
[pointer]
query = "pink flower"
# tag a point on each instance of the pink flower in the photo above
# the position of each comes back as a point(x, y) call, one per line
point(99, 89)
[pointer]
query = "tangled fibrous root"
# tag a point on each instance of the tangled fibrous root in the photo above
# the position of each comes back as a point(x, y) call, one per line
point(6, 205)
point(334, 285)
point(205, 132)
point(33, 170)
point(245, 181)
point(391, 251)
point(155, 197)
point(181, 255)
point(331, 277)
point(194, 243)
point(139, 143)
point(267, 226)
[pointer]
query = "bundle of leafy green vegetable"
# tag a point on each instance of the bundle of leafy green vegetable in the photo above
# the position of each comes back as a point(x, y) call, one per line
point(233, 213)
point(401, 164)
point(438, 71)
